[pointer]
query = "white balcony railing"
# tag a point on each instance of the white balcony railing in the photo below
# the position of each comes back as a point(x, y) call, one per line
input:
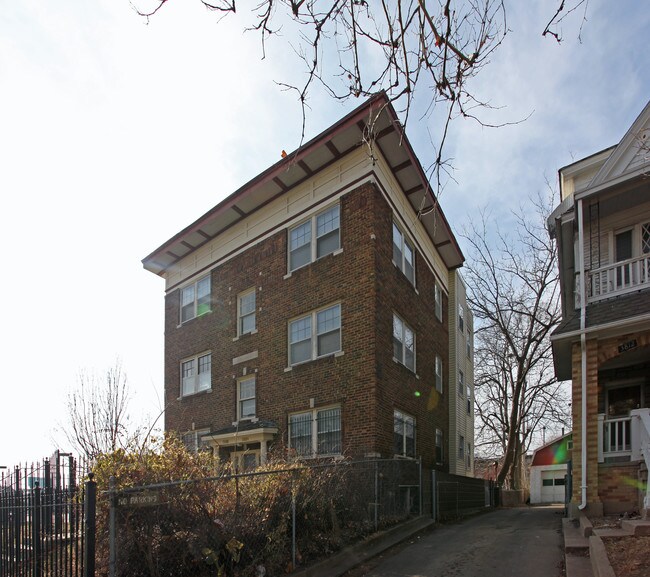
point(616, 439)
point(619, 278)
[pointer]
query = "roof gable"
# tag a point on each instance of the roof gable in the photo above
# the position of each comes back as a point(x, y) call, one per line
point(375, 121)
point(631, 156)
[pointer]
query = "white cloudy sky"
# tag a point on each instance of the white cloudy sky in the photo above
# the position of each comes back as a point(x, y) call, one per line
point(115, 134)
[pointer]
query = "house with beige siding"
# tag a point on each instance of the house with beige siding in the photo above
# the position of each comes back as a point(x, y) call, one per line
point(602, 228)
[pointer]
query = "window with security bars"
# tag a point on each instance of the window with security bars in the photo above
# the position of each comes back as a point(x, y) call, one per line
point(315, 238)
point(315, 433)
point(404, 434)
point(195, 299)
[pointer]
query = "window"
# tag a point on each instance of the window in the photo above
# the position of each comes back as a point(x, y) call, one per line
point(461, 447)
point(403, 254)
point(439, 373)
point(440, 455)
point(245, 460)
point(403, 343)
point(437, 297)
point(645, 238)
point(461, 319)
point(246, 312)
point(314, 238)
point(193, 441)
point(469, 399)
point(404, 434)
point(195, 299)
point(246, 398)
point(196, 374)
point(316, 432)
point(316, 335)
point(469, 341)
point(461, 383)
point(469, 455)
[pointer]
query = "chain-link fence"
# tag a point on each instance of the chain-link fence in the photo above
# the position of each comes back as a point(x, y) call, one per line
point(253, 524)
point(457, 496)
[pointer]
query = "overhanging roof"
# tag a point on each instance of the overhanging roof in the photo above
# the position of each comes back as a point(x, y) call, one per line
point(328, 147)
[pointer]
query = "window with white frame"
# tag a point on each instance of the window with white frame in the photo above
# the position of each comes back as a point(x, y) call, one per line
point(403, 253)
point(403, 343)
point(468, 343)
point(315, 238)
point(461, 383)
point(461, 447)
point(246, 397)
point(461, 317)
point(316, 432)
point(193, 440)
point(195, 299)
point(469, 455)
point(404, 434)
point(246, 312)
point(440, 454)
point(439, 382)
point(645, 238)
point(469, 399)
point(437, 297)
point(196, 374)
point(317, 334)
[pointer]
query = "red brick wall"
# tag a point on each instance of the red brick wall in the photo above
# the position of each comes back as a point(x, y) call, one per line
point(365, 381)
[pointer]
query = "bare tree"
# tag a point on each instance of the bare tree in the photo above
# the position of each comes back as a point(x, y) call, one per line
point(357, 48)
point(512, 282)
point(98, 413)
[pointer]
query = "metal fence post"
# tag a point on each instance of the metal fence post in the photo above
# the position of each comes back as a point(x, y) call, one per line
point(90, 497)
point(36, 529)
point(420, 482)
point(293, 523)
point(112, 552)
point(434, 497)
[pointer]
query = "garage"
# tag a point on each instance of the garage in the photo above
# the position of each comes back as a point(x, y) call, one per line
point(548, 469)
point(553, 486)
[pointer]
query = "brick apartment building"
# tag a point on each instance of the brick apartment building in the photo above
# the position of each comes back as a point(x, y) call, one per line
point(309, 310)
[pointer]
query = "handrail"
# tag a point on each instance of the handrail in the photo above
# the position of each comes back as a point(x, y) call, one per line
point(619, 277)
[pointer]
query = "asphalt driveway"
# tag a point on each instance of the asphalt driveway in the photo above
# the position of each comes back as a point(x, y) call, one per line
point(519, 542)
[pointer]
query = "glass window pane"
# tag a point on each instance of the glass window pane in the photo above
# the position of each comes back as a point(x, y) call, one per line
point(300, 236)
point(300, 257)
point(328, 319)
point(397, 246)
point(300, 352)
point(247, 408)
point(205, 363)
point(329, 431)
point(300, 433)
point(247, 324)
point(247, 303)
point(327, 221)
point(329, 343)
point(327, 244)
point(187, 296)
point(300, 329)
point(247, 389)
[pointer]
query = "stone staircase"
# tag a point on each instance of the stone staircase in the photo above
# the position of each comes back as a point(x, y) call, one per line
point(584, 550)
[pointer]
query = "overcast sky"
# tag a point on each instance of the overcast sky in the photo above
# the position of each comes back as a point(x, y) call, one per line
point(115, 135)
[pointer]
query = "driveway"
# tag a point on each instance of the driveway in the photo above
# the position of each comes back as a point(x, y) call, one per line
point(520, 542)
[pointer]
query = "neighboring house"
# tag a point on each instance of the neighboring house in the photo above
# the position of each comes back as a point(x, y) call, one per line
point(602, 228)
point(309, 310)
point(461, 380)
point(548, 470)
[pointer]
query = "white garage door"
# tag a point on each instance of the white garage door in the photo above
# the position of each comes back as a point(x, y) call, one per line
point(553, 486)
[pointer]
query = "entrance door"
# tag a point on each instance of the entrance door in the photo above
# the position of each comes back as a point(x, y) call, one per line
point(623, 248)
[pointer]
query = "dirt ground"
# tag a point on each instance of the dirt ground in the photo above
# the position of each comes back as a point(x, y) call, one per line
point(628, 556)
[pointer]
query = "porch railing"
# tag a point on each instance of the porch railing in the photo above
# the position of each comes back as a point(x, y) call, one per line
point(615, 436)
point(619, 278)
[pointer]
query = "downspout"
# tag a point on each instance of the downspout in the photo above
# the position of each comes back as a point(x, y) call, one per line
point(583, 360)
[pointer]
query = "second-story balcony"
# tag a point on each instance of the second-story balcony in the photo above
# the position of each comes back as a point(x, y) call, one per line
point(619, 278)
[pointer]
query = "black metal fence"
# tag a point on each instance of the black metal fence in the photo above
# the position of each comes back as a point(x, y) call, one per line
point(44, 529)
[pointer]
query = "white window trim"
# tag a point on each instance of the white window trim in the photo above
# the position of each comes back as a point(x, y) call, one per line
point(314, 431)
point(461, 318)
point(194, 358)
point(197, 444)
point(314, 335)
point(438, 363)
point(437, 300)
point(240, 317)
point(195, 285)
point(313, 239)
point(405, 326)
point(404, 416)
point(240, 417)
point(404, 240)
point(461, 383)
